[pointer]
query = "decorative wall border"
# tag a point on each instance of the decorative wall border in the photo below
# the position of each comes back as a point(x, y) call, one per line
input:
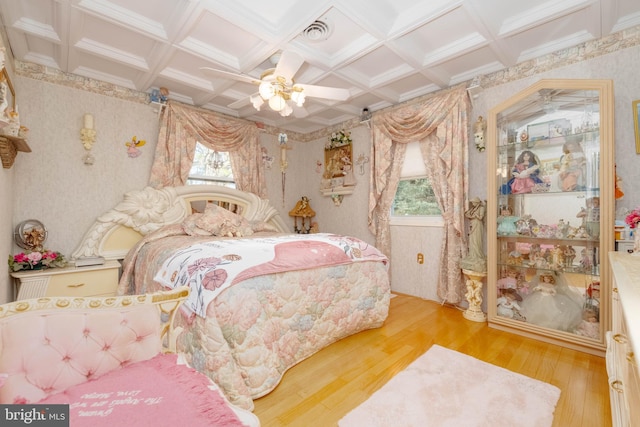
point(582, 52)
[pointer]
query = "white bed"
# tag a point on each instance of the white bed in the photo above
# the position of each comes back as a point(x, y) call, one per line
point(252, 331)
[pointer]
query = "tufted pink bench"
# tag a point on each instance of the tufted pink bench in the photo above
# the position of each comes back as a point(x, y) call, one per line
point(50, 346)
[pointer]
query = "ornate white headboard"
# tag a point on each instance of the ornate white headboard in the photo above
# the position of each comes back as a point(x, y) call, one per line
point(143, 211)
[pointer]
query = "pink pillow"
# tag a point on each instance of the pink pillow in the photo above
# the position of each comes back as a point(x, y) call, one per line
point(222, 222)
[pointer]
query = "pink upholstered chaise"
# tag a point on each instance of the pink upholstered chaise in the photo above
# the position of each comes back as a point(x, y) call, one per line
point(111, 359)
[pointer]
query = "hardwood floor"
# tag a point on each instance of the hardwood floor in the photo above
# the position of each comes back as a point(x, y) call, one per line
point(322, 389)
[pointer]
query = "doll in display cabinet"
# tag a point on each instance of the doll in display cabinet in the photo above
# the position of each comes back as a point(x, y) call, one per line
point(537, 257)
point(513, 279)
point(590, 324)
point(508, 305)
point(552, 303)
point(593, 295)
point(592, 218)
point(586, 259)
point(572, 167)
point(507, 222)
point(510, 281)
point(525, 173)
point(569, 256)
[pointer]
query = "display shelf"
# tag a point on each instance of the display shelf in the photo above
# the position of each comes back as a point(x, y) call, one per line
point(9, 148)
point(549, 212)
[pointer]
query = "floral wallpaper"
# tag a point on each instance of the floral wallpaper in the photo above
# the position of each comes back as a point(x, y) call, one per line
point(52, 183)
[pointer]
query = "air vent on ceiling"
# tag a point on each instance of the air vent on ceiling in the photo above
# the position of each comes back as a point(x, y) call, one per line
point(317, 31)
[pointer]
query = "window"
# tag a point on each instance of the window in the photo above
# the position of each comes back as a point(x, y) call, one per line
point(415, 197)
point(415, 202)
point(211, 167)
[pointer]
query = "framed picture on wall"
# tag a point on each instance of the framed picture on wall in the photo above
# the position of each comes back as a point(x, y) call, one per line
point(636, 122)
point(338, 161)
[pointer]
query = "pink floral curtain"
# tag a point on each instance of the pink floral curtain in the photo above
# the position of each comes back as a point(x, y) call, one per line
point(440, 125)
point(182, 126)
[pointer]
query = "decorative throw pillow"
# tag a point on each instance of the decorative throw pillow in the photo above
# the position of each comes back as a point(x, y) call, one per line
point(222, 222)
point(190, 226)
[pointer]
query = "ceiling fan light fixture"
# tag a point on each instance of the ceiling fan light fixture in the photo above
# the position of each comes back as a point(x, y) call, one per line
point(286, 111)
point(298, 96)
point(256, 101)
point(277, 102)
point(266, 90)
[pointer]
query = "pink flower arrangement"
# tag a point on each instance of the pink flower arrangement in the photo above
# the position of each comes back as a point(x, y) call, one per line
point(36, 260)
point(633, 218)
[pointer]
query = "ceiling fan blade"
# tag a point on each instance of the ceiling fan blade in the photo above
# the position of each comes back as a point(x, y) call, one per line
point(217, 74)
point(325, 92)
point(240, 103)
point(288, 65)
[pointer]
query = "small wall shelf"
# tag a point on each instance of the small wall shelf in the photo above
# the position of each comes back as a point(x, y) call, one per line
point(9, 147)
point(158, 107)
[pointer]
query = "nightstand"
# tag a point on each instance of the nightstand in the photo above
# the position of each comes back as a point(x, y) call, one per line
point(625, 246)
point(94, 280)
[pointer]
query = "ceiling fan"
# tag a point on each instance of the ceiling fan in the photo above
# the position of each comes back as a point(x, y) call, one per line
point(277, 87)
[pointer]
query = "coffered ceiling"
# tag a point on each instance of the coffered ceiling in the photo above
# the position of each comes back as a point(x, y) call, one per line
point(383, 51)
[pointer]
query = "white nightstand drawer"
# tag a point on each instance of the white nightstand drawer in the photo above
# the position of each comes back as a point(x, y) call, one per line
point(81, 283)
point(96, 280)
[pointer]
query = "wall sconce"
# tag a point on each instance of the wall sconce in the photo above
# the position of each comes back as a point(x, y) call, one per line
point(88, 133)
point(88, 137)
point(360, 161)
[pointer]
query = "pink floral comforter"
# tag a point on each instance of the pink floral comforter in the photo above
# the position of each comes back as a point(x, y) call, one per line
point(210, 267)
point(268, 319)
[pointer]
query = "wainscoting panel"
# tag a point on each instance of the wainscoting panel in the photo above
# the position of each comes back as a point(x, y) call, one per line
point(407, 275)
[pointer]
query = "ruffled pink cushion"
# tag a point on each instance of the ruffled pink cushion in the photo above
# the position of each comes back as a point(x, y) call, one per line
point(155, 392)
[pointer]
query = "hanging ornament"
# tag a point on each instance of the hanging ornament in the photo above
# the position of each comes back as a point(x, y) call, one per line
point(282, 140)
point(132, 147)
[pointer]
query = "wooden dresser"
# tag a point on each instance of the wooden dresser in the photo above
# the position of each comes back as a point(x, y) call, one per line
point(623, 341)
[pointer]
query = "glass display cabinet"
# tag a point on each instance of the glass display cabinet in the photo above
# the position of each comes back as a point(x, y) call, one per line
point(550, 212)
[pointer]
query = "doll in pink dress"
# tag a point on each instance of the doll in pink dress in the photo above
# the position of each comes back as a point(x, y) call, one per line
point(552, 304)
point(525, 173)
point(508, 282)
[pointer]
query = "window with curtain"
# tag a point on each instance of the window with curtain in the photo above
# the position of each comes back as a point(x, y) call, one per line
point(415, 202)
point(211, 167)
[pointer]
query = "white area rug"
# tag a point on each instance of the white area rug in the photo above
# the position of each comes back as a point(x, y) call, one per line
point(445, 388)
